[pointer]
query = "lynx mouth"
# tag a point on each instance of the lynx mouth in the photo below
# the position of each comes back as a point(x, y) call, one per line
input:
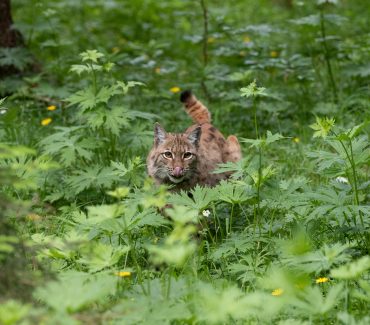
point(176, 179)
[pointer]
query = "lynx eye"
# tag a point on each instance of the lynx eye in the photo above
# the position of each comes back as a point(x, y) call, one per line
point(188, 155)
point(167, 154)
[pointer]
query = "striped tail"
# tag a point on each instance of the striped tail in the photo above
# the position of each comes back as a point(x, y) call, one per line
point(196, 110)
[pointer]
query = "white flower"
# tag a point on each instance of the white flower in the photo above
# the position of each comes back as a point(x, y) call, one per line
point(206, 213)
point(341, 179)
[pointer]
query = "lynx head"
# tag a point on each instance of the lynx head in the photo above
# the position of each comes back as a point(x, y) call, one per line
point(174, 155)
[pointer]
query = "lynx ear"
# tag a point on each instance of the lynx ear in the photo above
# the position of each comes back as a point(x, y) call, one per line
point(194, 136)
point(159, 134)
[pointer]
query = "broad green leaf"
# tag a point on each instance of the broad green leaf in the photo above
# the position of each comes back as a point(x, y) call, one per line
point(85, 98)
point(312, 302)
point(2, 100)
point(199, 199)
point(18, 57)
point(88, 99)
point(119, 192)
point(75, 291)
point(12, 312)
point(93, 176)
point(322, 126)
point(352, 270)
point(175, 254)
point(91, 55)
point(252, 90)
point(233, 193)
point(79, 68)
point(124, 87)
point(99, 256)
point(183, 215)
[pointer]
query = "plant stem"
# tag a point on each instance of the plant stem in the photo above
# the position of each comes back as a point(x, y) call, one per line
point(205, 32)
point(168, 284)
point(354, 173)
point(134, 257)
point(255, 117)
point(353, 167)
point(231, 218)
point(259, 185)
point(218, 223)
point(327, 56)
point(94, 78)
point(205, 46)
point(354, 186)
point(346, 302)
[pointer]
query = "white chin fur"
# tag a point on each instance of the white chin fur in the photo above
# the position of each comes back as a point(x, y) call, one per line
point(176, 180)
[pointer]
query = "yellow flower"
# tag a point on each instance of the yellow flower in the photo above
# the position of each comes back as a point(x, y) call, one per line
point(46, 121)
point(274, 54)
point(246, 39)
point(322, 280)
point(115, 50)
point(175, 90)
point(157, 70)
point(211, 39)
point(242, 53)
point(277, 292)
point(51, 108)
point(123, 274)
point(296, 140)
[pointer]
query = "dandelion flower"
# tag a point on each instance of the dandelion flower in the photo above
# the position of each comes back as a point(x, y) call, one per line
point(277, 292)
point(175, 90)
point(242, 53)
point(206, 213)
point(246, 39)
point(157, 70)
point(296, 140)
point(274, 54)
point(123, 274)
point(211, 40)
point(341, 179)
point(51, 108)
point(46, 121)
point(322, 280)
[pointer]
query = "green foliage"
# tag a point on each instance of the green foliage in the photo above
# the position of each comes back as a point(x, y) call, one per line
point(86, 238)
point(12, 312)
point(252, 90)
point(17, 57)
point(322, 126)
point(78, 291)
point(352, 270)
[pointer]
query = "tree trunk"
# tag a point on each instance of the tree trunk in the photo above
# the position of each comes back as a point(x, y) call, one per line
point(8, 37)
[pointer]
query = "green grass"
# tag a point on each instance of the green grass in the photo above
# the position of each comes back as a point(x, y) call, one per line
point(86, 237)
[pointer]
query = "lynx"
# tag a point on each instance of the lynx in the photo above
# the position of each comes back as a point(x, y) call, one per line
point(187, 159)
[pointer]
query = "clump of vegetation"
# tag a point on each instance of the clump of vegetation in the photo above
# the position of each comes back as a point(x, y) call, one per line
point(88, 238)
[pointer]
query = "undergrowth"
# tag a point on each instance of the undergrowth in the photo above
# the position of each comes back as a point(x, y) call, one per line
point(87, 238)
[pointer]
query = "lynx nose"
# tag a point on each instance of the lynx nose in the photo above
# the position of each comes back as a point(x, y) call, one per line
point(177, 172)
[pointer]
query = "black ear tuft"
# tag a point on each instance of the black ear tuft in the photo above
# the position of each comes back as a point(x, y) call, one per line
point(194, 136)
point(159, 134)
point(185, 95)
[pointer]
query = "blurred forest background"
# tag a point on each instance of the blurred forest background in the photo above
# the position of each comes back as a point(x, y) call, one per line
point(285, 241)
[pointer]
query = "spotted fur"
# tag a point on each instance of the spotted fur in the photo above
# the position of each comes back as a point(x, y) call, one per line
point(186, 159)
